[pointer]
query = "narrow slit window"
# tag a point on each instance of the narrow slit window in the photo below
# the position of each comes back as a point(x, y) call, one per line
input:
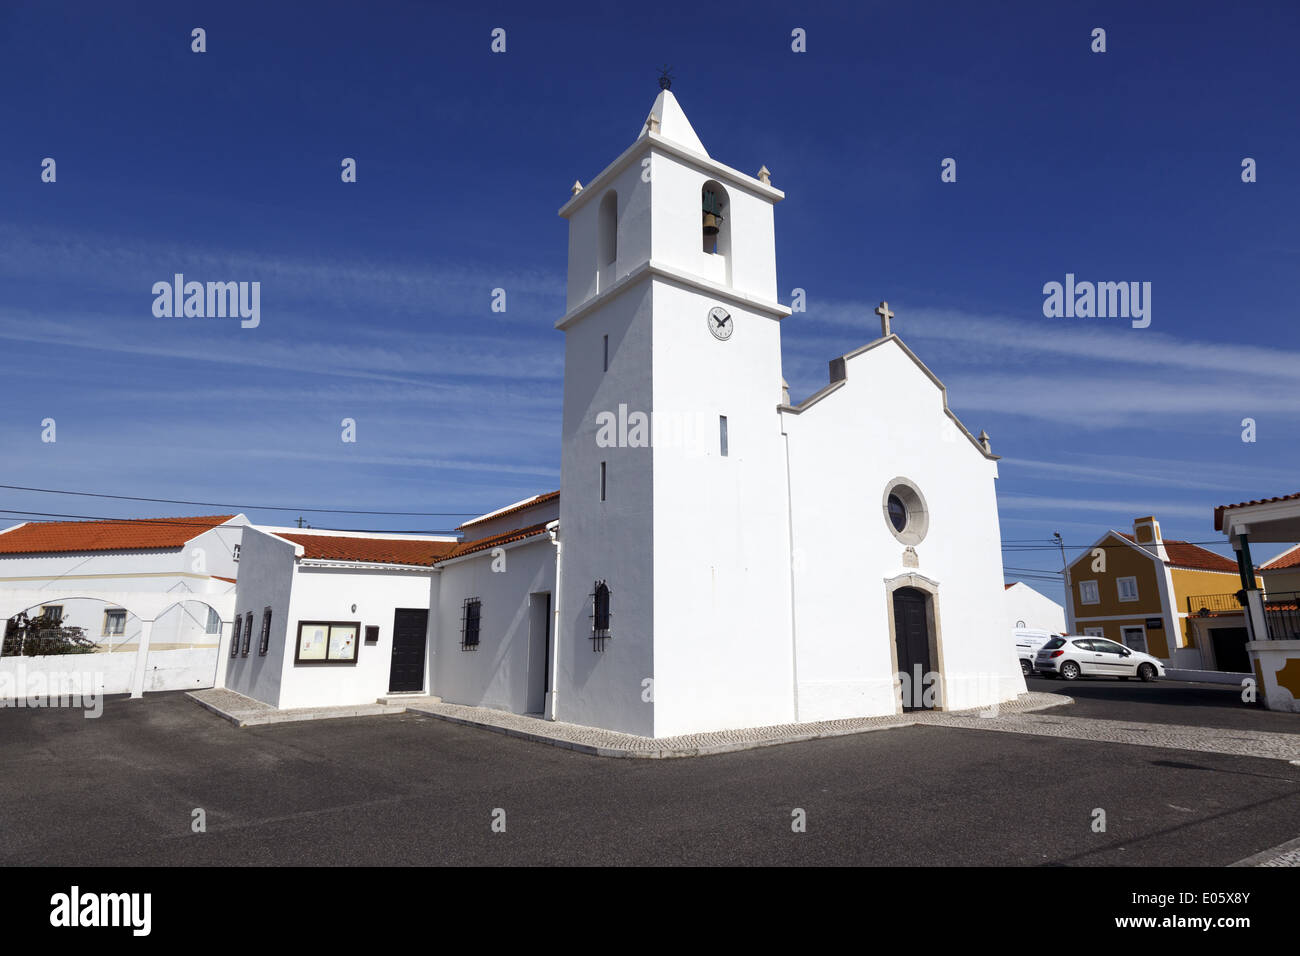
point(602, 481)
point(234, 637)
point(248, 634)
point(722, 434)
point(606, 360)
point(265, 643)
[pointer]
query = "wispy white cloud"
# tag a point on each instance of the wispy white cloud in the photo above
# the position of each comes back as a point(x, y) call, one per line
point(1127, 508)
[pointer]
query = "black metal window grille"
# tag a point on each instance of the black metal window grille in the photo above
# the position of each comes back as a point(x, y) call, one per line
point(264, 644)
point(470, 616)
point(248, 634)
point(599, 616)
point(234, 636)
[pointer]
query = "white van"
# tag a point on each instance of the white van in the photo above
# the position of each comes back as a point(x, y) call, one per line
point(1028, 641)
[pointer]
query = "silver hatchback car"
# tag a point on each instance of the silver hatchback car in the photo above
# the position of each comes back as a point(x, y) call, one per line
point(1073, 657)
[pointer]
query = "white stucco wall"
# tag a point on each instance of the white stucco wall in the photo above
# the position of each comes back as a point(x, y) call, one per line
point(328, 594)
point(722, 654)
point(586, 277)
point(266, 580)
point(607, 540)
point(1026, 607)
point(1281, 582)
point(508, 657)
point(887, 421)
point(189, 669)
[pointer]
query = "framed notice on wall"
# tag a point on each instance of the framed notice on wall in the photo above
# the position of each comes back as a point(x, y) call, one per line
point(327, 642)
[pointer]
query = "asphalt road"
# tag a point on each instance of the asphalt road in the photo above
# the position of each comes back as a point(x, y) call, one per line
point(415, 790)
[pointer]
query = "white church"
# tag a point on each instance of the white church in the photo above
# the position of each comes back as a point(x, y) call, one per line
point(717, 557)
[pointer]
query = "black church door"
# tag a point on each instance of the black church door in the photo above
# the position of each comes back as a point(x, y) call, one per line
point(912, 639)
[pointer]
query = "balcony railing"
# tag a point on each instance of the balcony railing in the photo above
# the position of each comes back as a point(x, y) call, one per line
point(1212, 605)
point(1281, 611)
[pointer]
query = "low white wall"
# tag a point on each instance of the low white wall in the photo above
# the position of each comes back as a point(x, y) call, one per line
point(189, 669)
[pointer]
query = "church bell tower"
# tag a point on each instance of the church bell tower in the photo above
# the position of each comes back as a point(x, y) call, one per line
point(673, 611)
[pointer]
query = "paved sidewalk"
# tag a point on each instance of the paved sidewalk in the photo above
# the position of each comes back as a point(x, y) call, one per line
point(245, 712)
point(1238, 743)
point(1288, 854)
point(609, 743)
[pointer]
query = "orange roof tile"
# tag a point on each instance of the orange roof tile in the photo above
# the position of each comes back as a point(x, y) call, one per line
point(1287, 559)
point(220, 578)
point(138, 534)
point(1218, 512)
point(497, 540)
point(522, 506)
point(370, 550)
point(1183, 554)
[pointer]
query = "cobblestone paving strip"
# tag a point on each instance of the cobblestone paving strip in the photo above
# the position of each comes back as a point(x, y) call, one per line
point(1288, 854)
point(608, 743)
point(1237, 743)
point(246, 712)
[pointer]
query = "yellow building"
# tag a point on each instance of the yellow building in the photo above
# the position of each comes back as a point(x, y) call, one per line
point(1138, 589)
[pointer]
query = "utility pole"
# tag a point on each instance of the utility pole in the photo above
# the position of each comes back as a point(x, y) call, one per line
point(300, 524)
point(1065, 579)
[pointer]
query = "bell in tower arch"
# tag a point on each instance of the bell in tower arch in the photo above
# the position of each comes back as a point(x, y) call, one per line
point(712, 212)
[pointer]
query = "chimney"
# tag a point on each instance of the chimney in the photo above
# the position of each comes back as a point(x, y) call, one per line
point(1147, 532)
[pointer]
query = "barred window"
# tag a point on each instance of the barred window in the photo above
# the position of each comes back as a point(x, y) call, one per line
point(265, 643)
point(248, 634)
point(469, 624)
point(234, 637)
point(600, 615)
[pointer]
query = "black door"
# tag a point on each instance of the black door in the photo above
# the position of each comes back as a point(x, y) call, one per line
point(409, 637)
point(912, 637)
point(1230, 649)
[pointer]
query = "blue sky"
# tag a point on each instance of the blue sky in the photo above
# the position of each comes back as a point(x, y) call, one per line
point(1122, 166)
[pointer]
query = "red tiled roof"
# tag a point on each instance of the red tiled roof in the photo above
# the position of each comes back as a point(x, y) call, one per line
point(370, 550)
point(1183, 554)
point(522, 506)
point(1218, 512)
point(1008, 587)
point(497, 540)
point(140, 534)
point(1287, 559)
point(220, 578)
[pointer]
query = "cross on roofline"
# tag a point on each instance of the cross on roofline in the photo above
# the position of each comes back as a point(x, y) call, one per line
point(882, 310)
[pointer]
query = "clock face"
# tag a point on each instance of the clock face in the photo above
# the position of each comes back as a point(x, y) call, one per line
point(720, 323)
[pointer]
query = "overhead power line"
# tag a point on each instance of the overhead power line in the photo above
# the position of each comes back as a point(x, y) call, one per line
point(246, 507)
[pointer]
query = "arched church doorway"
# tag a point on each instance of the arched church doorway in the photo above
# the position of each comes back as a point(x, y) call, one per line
point(912, 643)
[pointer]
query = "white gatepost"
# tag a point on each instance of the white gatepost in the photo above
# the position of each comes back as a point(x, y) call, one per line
point(141, 660)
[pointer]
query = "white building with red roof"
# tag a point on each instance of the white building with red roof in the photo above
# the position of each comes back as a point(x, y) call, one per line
point(154, 594)
point(331, 618)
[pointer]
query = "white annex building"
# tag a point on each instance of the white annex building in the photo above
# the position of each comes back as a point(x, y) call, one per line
point(718, 556)
point(1028, 608)
point(153, 595)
